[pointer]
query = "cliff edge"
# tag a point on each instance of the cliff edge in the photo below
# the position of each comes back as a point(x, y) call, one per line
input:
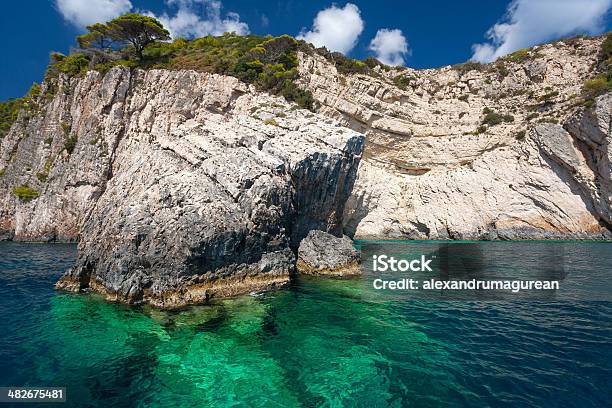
point(507, 150)
point(180, 186)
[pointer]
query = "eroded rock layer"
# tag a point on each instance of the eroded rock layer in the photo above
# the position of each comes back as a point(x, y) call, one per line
point(180, 186)
point(188, 185)
point(498, 151)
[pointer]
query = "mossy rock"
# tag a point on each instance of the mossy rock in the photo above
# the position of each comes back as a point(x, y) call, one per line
point(25, 193)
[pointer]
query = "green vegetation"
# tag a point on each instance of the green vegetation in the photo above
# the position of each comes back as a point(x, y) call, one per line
point(402, 81)
point(48, 165)
point(135, 41)
point(493, 118)
point(66, 127)
point(520, 135)
point(25, 193)
point(571, 41)
point(605, 51)
point(98, 36)
point(2, 171)
point(502, 70)
point(133, 30)
point(8, 114)
point(70, 143)
point(519, 92)
point(518, 56)
point(599, 85)
point(268, 63)
point(548, 96)
point(468, 66)
point(270, 121)
point(42, 177)
point(373, 63)
point(346, 65)
point(9, 110)
point(71, 65)
point(602, 83)
point(464, 97)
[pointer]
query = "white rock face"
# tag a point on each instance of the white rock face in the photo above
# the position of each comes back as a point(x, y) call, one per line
point(431, 171)
point(182, 185)
point(206, 187)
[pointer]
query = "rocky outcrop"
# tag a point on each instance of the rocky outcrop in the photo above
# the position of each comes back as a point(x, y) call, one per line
point(181, 186)
point(321, 253)
point(205, 188)
point(38, 153)
point(591, 130)
point(436, 167)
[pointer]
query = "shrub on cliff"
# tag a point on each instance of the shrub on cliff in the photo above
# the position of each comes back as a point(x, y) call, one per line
point(269, 63)
point(596, 87)
point(493, 118)
point(68, 64)
point(9, 110)
point(70, 144)
point(467, 67)
point(602, 83)
point(25, 193)
point(372, 63)
point(346, 65)
point(8, 115)
point(605, 51)
point(402, 81)
point(518, 56)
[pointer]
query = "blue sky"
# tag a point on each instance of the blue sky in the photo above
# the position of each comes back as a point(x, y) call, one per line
point(419, 34)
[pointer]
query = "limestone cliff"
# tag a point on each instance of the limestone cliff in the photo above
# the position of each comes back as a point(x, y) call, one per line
point(180, 185)
point(474, 151)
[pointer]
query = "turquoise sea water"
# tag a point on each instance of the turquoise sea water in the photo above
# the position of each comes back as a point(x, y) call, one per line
point(320, 342)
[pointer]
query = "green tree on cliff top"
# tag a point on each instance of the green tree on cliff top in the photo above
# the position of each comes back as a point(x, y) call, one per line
point(129, 29)
point(97, 37)
point(137, 30)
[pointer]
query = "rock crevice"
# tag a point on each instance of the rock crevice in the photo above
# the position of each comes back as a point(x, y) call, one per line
point(202, 192)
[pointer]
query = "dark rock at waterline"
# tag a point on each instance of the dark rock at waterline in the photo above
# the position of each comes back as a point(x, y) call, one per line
point(321, 253)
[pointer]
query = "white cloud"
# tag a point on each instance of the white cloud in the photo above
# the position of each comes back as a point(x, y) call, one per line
point(193, 18)
point(390, 46)
point(335, 28)
point(531, 22)
point(197, 18)
point(82, 13)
